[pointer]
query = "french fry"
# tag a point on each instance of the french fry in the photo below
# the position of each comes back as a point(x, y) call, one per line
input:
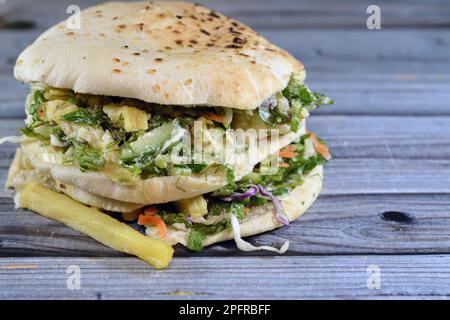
point(95, 224)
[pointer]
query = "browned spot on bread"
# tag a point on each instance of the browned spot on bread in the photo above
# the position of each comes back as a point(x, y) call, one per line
point(239, 40)
point(156, 88)
point(116, 60)
point(117, 70)
point(214, 14)
point(136, 54)
point(159, 59)
point(151, 71)
point(188, 82)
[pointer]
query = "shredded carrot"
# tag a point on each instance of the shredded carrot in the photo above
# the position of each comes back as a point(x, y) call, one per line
point(214, 117)
point(150, 211)
point(283, 164)
point(320, 147)
point(156, 221)
point(287, 154)
point(290, 148)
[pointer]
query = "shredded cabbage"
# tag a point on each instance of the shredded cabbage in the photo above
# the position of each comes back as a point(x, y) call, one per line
point(13, 139)
point(245, 246)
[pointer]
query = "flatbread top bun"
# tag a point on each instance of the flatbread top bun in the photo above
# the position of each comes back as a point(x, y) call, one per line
point(161, 52)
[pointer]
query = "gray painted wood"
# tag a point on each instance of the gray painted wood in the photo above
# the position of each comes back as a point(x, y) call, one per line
point(341, 224)
point(324, 277)
point(265, 13)
point(389, 133)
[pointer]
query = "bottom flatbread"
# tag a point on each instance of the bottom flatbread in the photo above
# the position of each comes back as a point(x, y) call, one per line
point(262, 219)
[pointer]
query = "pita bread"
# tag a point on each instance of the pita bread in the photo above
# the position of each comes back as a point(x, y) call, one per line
point(160, 52)
point(153, 190)
point(262, 219)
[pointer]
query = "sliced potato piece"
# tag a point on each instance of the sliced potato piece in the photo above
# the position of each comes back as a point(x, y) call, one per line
point(196, 207)
point(56, 109)
point(131, 118)
point(95, 224)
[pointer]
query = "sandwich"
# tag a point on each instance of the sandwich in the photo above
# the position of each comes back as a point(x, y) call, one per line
point(153, 124)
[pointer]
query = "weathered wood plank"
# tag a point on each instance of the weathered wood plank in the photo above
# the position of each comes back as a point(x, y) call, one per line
point(262, 13)
point(383, 94)
point(367, 94)
point(357, 224)
point(316, 277)
point(381, 137)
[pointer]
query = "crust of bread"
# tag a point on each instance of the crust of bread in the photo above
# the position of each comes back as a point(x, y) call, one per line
point(262, 219)
point(160, 52)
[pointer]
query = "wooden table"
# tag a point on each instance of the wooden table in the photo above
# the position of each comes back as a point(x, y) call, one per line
point(386, 201)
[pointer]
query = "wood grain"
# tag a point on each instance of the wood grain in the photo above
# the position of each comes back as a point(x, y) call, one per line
point(341, 224)
point(386, 196)
point(263, 13)
point(323, 277)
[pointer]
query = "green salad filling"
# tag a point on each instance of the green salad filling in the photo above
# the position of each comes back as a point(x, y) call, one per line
point(94, 131)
